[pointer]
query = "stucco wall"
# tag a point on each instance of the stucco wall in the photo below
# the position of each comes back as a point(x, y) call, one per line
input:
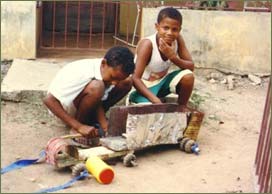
point(232, 41)
point(18, 29)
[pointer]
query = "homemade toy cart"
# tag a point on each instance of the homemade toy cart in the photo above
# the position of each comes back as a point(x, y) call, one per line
point(132, 128)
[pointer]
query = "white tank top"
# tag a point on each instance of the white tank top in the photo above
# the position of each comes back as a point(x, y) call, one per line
point(157, 66)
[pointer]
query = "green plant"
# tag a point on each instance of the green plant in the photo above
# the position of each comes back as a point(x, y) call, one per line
point(196, 100)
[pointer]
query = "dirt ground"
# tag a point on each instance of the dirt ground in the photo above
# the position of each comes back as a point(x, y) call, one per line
point(228, 141)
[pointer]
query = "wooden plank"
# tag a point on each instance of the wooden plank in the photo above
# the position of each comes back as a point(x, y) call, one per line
point(100, 151)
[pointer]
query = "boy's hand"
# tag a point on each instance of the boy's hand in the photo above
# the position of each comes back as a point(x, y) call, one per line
point(166, 49)
point(88, 131)
point(157, 101)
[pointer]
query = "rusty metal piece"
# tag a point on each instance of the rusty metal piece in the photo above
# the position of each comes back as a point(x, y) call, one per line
point(263, 154)
point(195, 120)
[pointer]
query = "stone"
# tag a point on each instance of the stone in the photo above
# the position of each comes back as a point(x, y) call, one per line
point(255, 79)
point(117, 143)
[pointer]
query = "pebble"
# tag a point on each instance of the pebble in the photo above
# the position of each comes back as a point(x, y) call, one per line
point(230, 82)
point(212, 81)
point(18, 157)
point(255, 79)
point(33, 179)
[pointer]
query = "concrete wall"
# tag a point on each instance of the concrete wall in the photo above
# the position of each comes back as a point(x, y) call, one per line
point(232, 41)
point(18, 29)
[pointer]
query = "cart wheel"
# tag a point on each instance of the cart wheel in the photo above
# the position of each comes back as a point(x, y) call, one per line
point(130, 160)
point(77, 169)
point(186, 144)
point(182, 142)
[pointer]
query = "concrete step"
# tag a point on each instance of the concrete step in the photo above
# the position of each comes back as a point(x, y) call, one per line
point(28, 80)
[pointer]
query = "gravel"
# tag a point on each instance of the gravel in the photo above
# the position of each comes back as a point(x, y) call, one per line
point(5, 65)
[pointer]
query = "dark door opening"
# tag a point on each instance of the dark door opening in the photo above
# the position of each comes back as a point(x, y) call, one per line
point(78, 24)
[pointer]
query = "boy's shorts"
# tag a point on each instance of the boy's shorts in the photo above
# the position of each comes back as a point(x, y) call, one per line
point(70, 109)
point(160, 88)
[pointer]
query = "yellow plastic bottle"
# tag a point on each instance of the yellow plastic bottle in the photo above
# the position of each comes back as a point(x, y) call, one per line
point(100, 170)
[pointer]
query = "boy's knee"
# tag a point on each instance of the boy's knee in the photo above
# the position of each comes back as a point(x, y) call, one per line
point(188, 79)
point(95, 88)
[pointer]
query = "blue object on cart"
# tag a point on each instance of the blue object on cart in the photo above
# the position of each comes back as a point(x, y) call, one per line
point(195, 149)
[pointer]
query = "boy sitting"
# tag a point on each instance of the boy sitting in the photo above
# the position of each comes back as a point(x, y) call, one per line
point(155, 54)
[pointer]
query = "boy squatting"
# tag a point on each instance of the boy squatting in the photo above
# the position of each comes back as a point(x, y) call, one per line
point(84, 90)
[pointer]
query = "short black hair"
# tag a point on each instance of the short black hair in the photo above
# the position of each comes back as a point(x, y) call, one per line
point(171, 13)
point(121, 56)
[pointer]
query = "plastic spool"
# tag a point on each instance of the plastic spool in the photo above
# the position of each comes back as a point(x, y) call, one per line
point(100, 170)
point(53, 148)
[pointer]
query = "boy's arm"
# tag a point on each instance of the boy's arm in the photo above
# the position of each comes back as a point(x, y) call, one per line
point(56, 108)
point(184, 61)
point(144, 51)
point(101, 118)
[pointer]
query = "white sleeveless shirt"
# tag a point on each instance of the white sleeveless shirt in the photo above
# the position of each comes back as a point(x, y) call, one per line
point(157, 64)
